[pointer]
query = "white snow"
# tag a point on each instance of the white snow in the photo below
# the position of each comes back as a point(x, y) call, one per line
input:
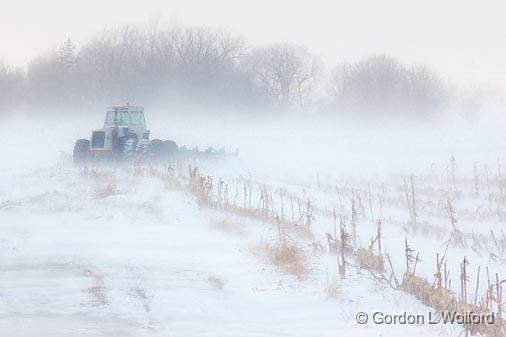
point(118, 255)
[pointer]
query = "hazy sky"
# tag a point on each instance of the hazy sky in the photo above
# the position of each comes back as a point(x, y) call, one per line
point(463, 40)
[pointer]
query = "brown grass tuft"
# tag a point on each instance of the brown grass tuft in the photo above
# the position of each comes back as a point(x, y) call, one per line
point(230, 227)
point(368, 260)
point(289, 257)
point(105, 190)
point(97, 289)
point(333, 290)
point(216, 282)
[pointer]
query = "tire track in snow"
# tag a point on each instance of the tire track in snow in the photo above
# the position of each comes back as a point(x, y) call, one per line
point(97, 289)
point(139, 292)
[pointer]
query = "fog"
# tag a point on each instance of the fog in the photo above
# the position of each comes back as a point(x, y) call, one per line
point(460, 39)
point(319, 92)
point(354, 134)
point(288, 148)
point(341, 58)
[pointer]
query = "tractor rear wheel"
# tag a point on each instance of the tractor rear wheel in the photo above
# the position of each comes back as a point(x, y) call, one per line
point(170, 147)
point(163, 149)
point(81, 152)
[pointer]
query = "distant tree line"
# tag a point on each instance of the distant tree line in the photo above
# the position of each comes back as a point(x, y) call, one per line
point(382, 84)
point(212, 69)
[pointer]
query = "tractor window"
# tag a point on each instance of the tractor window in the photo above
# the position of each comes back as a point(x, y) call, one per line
point(122, 118)
point(109, 120)
point(136, 117)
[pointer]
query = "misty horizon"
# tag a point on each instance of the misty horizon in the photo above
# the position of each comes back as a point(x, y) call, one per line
point(175, 65)
point(433, 33)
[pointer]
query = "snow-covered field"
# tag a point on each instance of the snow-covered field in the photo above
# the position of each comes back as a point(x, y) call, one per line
point(110, 253)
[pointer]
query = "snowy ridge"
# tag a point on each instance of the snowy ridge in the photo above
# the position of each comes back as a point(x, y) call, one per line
point(112, 253)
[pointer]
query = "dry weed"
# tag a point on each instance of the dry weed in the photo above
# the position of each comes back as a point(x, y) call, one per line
point(289, 257)
point(216, 282)
point(103, 191)
point(333, 290)
point(368, 260)
point(301, 231)
point(230, 227)
point(140, 294)
point(97, 289)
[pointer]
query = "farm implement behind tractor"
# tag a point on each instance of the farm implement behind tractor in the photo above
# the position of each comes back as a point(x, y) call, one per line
point(124, 136)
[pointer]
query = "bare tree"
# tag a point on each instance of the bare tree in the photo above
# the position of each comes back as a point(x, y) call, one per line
point(374, 81)
point(115, 62)
point(12, 86)
point(287, 72)
point(205, 50)
point(381, 83)
point(426, 89)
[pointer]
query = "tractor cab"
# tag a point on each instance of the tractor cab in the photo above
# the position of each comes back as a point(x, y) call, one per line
point(122, 124)
point(131, 117)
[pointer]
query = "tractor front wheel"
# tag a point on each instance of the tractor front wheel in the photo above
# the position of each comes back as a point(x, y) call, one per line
point(81, 152)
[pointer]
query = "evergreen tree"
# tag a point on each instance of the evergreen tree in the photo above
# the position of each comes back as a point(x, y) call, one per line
point(66, 53)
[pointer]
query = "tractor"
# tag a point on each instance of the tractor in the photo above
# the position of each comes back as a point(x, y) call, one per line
point(123, 136)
